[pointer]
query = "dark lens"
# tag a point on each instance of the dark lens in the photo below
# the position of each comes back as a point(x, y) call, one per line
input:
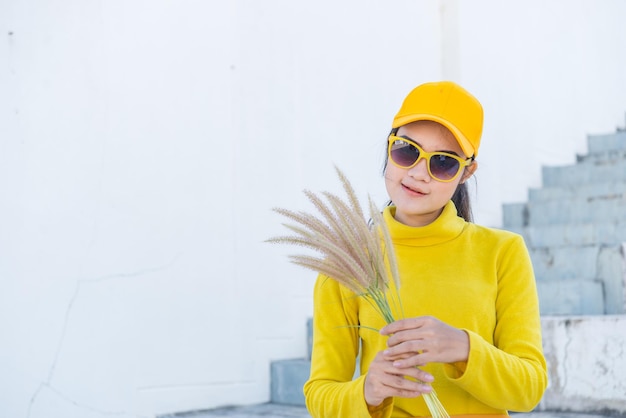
point(443, 166)
point(403, 153)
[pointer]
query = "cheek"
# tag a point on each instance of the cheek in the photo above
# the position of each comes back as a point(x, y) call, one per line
point(393, 176)
point(448, 189)
point(392, 179)
point(444, 191)
point(394, 173)
point(388, 178)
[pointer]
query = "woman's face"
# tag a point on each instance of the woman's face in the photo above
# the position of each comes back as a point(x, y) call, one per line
point(419, 199)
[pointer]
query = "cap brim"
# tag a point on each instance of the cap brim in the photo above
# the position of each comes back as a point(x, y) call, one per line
point(466, 146)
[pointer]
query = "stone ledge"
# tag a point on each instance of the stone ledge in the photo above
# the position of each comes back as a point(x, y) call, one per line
point(287, 379)
point(586, 358)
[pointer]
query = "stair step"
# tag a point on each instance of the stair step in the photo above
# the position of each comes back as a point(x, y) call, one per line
point(571, 297)
point(565, 211)
point(583, 173)
point(514, 216)
point(557, 263)
point(602, 158)
point(574, 211)
point(561, 235)
point(560, 263)
point(287, 381)
point(602, 264)
point(612, 271)
point(589, 192)
point(606, 143)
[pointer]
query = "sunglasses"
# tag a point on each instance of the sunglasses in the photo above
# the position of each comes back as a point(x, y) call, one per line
point(442, 166)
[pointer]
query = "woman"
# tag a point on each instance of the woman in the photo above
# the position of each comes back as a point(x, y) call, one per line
point(472, 330)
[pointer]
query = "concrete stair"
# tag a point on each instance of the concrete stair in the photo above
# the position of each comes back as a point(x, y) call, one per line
point(575, 229)
point(288, 376)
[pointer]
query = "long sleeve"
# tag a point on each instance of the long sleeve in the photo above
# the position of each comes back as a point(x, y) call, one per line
point(330, 390)
point(509, 373)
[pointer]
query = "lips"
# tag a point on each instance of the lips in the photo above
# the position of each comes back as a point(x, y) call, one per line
point(412, 190)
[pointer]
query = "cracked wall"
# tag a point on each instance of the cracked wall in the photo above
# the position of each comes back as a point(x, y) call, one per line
point(586, 359)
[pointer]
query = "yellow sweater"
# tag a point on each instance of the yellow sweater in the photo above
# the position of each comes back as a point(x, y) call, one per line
point(471, 277)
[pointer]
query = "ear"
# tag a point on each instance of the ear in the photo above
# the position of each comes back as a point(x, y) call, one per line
point(469, 171)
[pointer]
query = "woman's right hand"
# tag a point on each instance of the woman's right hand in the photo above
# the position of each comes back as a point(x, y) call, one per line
point(383, 380)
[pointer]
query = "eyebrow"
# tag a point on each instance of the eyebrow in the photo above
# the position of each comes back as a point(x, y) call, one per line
point(440, 150)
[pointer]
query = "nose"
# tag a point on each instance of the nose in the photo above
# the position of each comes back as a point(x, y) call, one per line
point(420, 170)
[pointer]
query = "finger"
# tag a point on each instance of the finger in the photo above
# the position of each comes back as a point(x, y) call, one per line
point(403, 368)
point(383, 381)
point(400, 325)
point(404, 349)
point(418, 374)
point(401, 384)
point(408, 335)
point(393, 357)
point(417, 360)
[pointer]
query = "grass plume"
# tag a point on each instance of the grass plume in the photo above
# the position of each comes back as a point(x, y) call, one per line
point(353, 251)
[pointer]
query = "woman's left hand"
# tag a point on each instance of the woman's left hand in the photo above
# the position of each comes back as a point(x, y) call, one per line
point(425, 339)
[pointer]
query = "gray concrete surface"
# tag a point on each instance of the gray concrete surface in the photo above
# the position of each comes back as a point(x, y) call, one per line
point(270, 410)
point(252, 411)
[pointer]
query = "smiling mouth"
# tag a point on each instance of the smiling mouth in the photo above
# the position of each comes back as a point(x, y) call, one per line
point(414, 191)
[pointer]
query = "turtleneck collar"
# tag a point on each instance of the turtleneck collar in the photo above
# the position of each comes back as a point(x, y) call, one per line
point(445, 228)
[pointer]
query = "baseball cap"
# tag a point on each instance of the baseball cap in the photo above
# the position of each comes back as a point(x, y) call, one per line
point(449, 104)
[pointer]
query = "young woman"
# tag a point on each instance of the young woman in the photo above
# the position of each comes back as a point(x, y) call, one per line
point(471, 329)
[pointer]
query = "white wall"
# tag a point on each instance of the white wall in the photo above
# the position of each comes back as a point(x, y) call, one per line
point(548, 74)
point(144, 143)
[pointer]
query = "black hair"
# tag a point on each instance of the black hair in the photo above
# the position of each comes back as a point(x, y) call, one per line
point(460, 198)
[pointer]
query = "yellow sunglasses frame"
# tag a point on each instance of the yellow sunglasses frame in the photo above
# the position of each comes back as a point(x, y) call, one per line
point(426, 156)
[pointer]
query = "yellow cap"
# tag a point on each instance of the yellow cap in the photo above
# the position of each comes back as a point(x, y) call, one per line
point(450, 105)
